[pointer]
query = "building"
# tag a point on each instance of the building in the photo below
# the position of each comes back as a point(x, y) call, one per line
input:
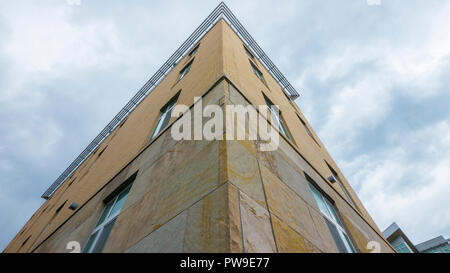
point(395, 235)
point(435, 245)
point(398, 239)
point(137, 189)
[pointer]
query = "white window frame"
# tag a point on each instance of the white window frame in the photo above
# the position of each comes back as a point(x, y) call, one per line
point(108, 219)
point(165, 113)
point(328, 214)
point(257, 72)
point(277, 116)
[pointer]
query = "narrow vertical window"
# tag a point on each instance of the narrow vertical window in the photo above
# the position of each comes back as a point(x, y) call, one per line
point(333, 221)
point(306, 127)
point(164, 116)
point(277, 117)
point(249, 53)
point(335, 174)
point(257, 72)
point(193, 51)
point(185, 70)
point(101, 232)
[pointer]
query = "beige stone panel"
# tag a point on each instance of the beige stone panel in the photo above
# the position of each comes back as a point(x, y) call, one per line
point(167, 239)
point(289, 241)
point(310, 246)
point(149, 155)
point(174, 159)
point(289, 174)
point(188, 185)
point(234, 220)
point(115, 183)
point(243, 170)
point(327, 243)
point(356, 234)
point(256, 227)
point(134, 223)
point(208, 223)
point(215, 95)
point(223, 161)
point(289, 207)
point(236, 97)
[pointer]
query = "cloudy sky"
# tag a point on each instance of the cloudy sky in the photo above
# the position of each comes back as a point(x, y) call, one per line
point(374, 83)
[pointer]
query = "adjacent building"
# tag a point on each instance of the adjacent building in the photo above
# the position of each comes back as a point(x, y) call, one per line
point(435, 245)
point(398, 239)
point(137, 189)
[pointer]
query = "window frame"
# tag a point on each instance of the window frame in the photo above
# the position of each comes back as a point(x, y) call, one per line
point(347, 195)
point(164, 115)
point(185, 70)
point(103, 222)
point(308, 131)
point(282, 127)
point(332, 217)
point(257, 72)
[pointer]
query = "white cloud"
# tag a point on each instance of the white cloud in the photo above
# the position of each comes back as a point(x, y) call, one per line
point(407, 182)
point(74, 2)
point(364, 79)
point(43, 38)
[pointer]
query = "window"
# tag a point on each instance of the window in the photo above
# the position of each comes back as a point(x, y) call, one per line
point(257, 72)
point(101, 232)
point(307, 129)
point(193, 51)
point(185, 70)
point(333, 221)
point(101, 152)
point(276, 115)
point(403, 248)
point(164, 116)
point(24, 242)
point(340, 183)
point(249, 53)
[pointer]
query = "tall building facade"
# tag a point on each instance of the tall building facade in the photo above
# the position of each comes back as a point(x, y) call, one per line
point(137, 189)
